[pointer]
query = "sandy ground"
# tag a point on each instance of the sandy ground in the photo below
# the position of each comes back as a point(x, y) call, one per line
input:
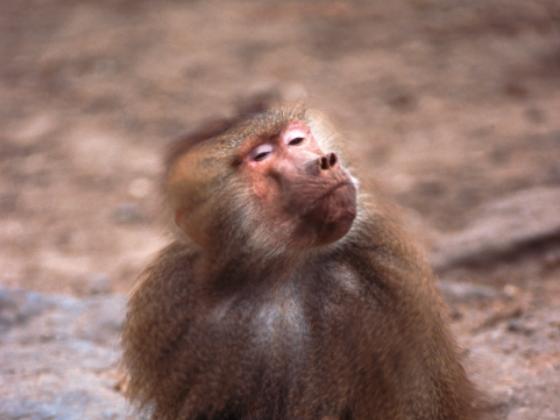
point(447, 105)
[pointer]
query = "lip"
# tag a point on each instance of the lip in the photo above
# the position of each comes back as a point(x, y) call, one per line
point(331, 190)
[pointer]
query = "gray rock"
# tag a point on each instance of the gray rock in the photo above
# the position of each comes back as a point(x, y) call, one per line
point(128, 213)
point(16, 308)
point(521, 370)
point(460, 291)
point(59, 356)
point(503, 228)
point(98, 284)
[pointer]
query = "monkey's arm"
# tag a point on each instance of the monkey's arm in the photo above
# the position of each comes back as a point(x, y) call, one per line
point(157, 316)
point(410, 309)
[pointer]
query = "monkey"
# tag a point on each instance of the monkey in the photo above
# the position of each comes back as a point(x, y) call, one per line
point(287, 292)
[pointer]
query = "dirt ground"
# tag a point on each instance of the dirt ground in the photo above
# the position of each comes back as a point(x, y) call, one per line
point(448, 105)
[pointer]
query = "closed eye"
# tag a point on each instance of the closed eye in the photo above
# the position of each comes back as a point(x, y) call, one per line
point(261, 152)
point(295, 141)
point(261, 156)
point(294, 136)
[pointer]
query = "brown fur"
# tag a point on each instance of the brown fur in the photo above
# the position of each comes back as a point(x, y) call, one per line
point(225, 328)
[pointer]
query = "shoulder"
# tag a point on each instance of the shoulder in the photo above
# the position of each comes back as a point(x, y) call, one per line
point(379, 246)
point(169, 274)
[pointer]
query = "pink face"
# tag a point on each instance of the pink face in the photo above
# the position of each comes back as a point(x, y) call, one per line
point(304, 189)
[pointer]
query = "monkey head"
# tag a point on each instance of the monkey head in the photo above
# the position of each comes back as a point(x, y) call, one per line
point(270, 179)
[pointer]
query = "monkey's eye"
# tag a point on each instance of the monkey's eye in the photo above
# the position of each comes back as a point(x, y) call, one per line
point(261, 152)
point(294, 137)
point(296, 140)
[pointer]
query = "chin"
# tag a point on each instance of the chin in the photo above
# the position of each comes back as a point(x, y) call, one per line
point(332, 217)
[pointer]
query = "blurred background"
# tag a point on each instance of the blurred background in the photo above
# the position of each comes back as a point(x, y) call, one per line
point(453, 107)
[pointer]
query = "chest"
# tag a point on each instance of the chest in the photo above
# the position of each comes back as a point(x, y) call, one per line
point(292, 317)
point(302, 341)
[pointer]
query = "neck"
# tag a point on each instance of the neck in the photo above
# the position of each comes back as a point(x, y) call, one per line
point(233, 271)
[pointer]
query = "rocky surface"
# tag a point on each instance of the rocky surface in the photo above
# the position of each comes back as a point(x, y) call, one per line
point(450, 107)
point(526, 222)
point(59, 356)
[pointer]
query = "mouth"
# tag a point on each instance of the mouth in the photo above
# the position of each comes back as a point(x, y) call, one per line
point(331, 190)
point(329, 216)
point(335, 204)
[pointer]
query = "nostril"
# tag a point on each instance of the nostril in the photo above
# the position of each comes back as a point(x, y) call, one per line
point(328, 161)
point(324, 163)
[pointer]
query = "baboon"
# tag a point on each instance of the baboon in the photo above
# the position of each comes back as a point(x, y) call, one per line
point(287, 293)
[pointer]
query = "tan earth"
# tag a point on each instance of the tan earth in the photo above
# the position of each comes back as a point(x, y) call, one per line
point(452, 107)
